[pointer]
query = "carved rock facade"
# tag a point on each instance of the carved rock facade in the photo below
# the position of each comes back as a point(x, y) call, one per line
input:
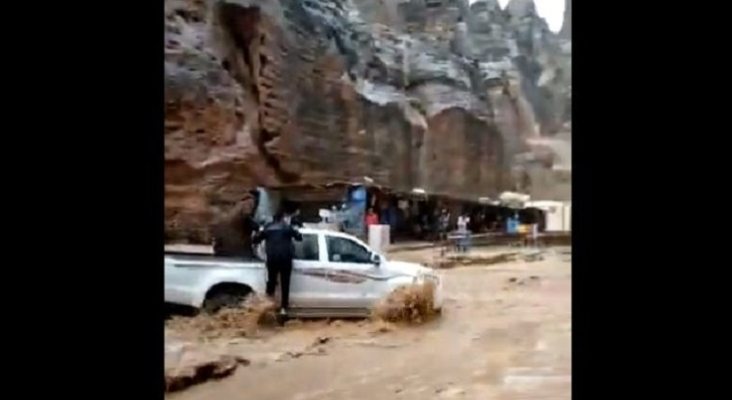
point(278, 93)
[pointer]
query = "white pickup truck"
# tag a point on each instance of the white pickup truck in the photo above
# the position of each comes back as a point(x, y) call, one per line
point(334, 275)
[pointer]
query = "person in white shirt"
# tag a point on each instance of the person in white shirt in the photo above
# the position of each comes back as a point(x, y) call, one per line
point(462, 222)
point(464, 240)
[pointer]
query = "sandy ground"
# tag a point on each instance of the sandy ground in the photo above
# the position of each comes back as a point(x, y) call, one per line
point(505, 334)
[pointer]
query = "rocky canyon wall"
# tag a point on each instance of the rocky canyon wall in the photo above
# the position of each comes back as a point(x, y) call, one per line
point(422, 93)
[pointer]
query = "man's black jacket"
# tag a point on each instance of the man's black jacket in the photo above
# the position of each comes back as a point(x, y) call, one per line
point(278, 237)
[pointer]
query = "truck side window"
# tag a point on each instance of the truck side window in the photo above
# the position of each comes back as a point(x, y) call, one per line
point(346, 250)
point(307, 249)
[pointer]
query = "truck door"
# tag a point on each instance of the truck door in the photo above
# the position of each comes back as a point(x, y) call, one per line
point(351, 274)
point(308, 284)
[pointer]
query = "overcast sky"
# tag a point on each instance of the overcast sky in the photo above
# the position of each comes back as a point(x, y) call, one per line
point(551, 10)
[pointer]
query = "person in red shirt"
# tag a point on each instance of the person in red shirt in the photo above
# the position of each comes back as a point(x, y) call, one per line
point(371, 218)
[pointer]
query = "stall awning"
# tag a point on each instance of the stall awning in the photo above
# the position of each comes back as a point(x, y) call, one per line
point(513, 199)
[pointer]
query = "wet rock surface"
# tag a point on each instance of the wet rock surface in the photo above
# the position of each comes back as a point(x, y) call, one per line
point(278, 93)
point(188, 364)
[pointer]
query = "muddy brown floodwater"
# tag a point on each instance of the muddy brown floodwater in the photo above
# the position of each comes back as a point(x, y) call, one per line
point(505, 333)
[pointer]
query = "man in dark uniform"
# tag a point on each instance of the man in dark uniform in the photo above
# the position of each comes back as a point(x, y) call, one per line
point(280, 250)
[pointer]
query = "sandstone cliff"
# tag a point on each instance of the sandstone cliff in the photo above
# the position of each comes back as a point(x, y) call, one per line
point(434, 94)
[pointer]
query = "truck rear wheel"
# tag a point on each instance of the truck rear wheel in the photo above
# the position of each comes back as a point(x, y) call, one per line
point(229, 297)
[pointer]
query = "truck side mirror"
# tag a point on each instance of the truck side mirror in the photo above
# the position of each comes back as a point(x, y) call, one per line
point(375, 259)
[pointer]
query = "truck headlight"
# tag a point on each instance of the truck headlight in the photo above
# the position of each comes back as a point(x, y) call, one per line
point(432, 278)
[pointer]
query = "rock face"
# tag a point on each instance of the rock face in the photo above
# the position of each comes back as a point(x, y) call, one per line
point(566, 31)
point(187, 365)
point(436, 94)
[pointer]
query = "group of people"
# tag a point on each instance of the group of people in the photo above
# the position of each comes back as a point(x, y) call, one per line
point(462, 229)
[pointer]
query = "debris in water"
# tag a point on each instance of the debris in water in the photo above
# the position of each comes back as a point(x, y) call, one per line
point(293, 323)
point(523, 281)
point(381, 326)
point(243, 321)
point(408, 303)
point(322, 340)
point(242, 360)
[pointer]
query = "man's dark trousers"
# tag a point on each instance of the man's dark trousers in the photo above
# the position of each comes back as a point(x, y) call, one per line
point(283, 268)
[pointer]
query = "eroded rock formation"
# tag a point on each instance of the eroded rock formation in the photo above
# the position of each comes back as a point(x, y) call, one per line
point(434, 94)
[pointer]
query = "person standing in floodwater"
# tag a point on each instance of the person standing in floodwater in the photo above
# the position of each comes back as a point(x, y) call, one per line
point(280, 250)
point(462, 228)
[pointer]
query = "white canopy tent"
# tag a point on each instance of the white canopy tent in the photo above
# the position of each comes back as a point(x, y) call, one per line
point(513, 199)
point(557, 214)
